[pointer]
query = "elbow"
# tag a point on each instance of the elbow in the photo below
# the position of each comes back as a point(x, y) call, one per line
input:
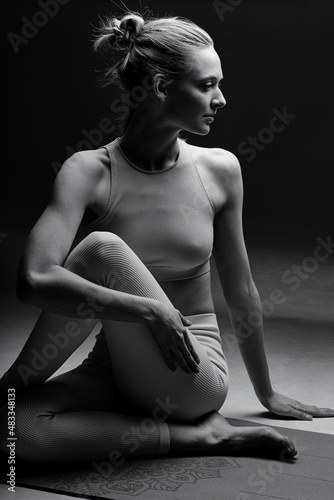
point(245, 293)
point(26, 287)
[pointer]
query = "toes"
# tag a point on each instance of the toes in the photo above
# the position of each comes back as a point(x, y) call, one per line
point(271, 437)
point(290, 449)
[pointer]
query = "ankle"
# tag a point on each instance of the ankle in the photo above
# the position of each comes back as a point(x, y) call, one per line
point(186, 438)
point(214, 430)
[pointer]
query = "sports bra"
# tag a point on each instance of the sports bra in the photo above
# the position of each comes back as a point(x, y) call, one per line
point(165, 216)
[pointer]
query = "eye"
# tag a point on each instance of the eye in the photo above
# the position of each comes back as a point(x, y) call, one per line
point(207, 86)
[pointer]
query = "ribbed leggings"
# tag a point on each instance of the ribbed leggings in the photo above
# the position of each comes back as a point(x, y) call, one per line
point(119, 407)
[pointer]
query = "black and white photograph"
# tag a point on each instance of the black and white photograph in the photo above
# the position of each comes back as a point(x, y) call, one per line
point(167, 250)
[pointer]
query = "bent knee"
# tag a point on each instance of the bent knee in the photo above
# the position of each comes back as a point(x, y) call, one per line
point(98, 238)
point(93, 253)
point(96, 245)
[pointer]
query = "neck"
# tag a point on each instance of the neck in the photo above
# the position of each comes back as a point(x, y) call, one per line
point(149, 142)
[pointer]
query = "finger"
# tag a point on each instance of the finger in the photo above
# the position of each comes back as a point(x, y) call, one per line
point(312, 410)
point(182, 355)
point(189, 360)
point(315, 411)
point(169, 361)
point(185, 321)
point(299, 415)
point(191, 348)
point(180, 359)
point(323, 412)
point(189, 353)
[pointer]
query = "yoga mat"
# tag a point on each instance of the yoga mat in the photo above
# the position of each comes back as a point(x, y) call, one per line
point(310, 477)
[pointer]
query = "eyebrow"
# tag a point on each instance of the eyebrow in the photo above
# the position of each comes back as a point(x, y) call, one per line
point(211, 78)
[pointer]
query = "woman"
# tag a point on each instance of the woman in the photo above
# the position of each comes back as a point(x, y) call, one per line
point(153, 208)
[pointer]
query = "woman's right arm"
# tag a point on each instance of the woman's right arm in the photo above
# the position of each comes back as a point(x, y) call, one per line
point(42, 280)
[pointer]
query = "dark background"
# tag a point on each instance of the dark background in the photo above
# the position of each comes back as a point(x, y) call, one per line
point(274, 54)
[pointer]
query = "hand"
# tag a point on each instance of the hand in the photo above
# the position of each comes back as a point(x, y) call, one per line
point(169, 330)
point(287, 407)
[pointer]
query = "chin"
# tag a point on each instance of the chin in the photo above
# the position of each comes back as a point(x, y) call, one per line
point(202, 132)
point(199, 130)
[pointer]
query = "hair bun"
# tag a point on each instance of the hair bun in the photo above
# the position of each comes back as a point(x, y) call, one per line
point(119, 33)
point(131, 25)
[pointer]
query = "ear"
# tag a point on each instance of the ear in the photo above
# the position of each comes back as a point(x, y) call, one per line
point(160, 87)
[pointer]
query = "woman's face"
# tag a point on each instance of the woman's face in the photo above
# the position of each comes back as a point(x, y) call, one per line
point(193, 100)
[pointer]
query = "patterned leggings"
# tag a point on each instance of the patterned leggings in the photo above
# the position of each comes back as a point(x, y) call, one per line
point(119, 399)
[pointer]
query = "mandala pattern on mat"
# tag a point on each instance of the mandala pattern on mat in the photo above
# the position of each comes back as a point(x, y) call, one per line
point(134, 478)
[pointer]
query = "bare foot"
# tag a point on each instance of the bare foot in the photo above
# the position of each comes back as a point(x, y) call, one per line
point(218, 436)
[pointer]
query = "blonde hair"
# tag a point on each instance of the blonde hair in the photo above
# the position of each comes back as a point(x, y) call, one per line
point(153, 46)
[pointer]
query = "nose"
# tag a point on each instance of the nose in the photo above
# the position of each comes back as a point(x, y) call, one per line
point(219, 101)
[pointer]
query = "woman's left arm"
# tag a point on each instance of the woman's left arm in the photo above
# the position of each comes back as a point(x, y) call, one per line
point(242, 297)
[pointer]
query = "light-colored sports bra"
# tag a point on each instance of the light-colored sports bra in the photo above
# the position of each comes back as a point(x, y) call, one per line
point(165, 216)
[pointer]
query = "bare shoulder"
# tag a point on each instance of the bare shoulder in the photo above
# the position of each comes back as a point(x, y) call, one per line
point(219, 169)
point(219, 161)
point(89, 170)
point(92, 163)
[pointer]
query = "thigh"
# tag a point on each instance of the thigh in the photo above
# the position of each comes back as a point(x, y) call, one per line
point(143, 377)
point(88, 387)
